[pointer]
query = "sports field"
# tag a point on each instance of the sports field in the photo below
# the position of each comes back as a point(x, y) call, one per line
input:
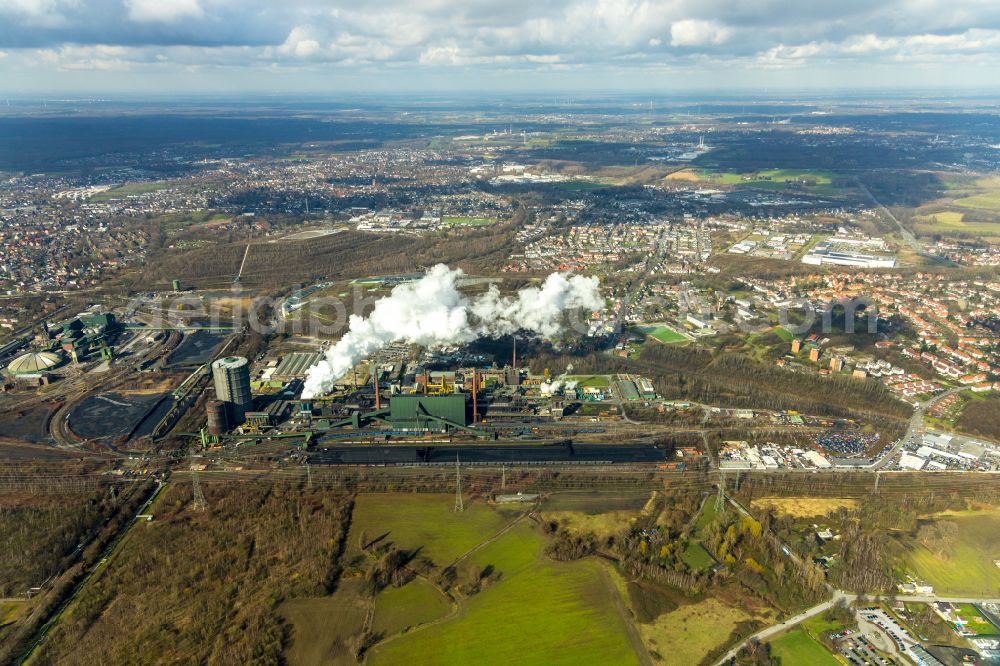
point(129, 189)
point(538, 612)
point(597, 381)
point(797, 647)
point(968, 568)
point(664, 334)
point(468, 221)
point(975, 622)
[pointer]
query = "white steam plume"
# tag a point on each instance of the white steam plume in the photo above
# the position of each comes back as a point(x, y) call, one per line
point(556, 385)
point(432, 312)
point(553, 386)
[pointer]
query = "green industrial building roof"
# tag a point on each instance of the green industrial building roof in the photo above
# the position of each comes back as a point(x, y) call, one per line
point(416, 411)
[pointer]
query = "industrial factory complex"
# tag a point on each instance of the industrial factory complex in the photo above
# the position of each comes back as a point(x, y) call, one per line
point(387, 399)
point(130, 378)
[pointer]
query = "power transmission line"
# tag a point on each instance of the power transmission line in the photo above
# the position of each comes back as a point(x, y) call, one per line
point(198, 503)
point(459, 505)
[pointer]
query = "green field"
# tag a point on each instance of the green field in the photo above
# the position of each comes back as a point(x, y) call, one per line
point(723, 178)
point(579, 185)
point(468, 221)
point(797, 648)
point(768, 177)
point(706, 516)
point(975, 622)
point(968, 568)
point(696, 557)
point(400, 608)
point(129, 189)
point(321, 625)
point(538, 612)
point(792, 175)
point(817, 625)
point(664, 334)
point(946, 221)
point(597, 381)
point(783, 333)
point(425, 521)
point(686, 635)
point(988, 201)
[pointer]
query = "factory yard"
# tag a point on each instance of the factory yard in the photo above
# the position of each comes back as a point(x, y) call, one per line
point(196, 348)
point(110, 416)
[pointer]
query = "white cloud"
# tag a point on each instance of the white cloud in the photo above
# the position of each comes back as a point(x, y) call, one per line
point(301, 43)
point(606, 36)
point(162, 11)
point(694, 32)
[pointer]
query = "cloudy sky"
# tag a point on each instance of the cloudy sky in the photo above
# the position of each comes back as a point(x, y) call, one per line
point(327, 46)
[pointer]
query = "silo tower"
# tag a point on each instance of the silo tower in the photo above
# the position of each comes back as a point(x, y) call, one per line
point(232, 385)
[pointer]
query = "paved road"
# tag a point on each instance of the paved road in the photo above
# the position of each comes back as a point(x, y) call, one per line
point(910, 239)
point(904, 233)
point(764, 634)
point(915, 429)
point(770, 632)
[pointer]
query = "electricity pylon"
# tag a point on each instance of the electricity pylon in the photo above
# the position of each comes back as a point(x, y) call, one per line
point(199, 503)
point(459, 505)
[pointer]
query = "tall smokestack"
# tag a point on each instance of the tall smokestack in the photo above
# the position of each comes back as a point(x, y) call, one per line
point(475, 390)
point(378, 397)
point(515, 354)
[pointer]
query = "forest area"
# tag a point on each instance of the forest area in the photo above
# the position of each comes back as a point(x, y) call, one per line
point(61, 536)
point(39, 533)
point(981, 418)
point(879, 528)
point(736, 380)
point(206, 585)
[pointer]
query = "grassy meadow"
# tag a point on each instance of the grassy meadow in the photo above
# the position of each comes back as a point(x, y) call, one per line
point(797, 647)
point(538, 612)
point(968, 566)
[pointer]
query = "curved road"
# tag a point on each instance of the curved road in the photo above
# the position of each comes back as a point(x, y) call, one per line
point(769, 632)
point(916, 427)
